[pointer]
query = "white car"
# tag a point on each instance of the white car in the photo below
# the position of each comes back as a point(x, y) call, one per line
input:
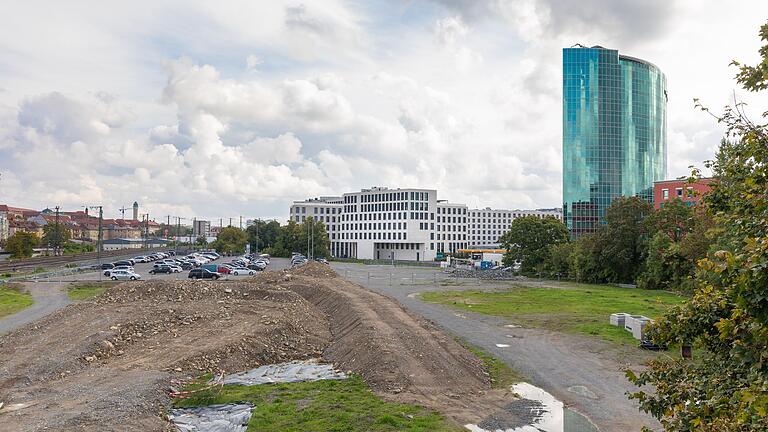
point(124, 275)
point(237, 271)
point(175, 268)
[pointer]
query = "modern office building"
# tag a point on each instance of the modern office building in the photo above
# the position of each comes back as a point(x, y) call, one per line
point(614, 132)
point(404, 224)
point(201, 228)
point(487, 225)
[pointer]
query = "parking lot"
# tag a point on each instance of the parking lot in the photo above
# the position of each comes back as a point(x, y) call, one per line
point(143, 270)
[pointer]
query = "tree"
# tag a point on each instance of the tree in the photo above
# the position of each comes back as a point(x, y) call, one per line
point(728, 314)
point(201, 241)
point(263, 235)
point(313, 238)
point(558, 261)
point(527, 241)
point(55, 235)
point(623, 238)
point(230, 241)
point(21, 244)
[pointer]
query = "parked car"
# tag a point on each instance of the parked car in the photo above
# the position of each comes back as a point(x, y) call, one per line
point(123, 263)
point(161, 269)
point(255, 267)
point(237, 271)
point(186, 266)
point(224, 269)
point(322, 260)
point(201, 273)
point(124, 275)
point(122, 267)
point(106, 266)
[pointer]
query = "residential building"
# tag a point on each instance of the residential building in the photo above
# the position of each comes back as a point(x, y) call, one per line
point(614, 132)
point(4, 228)
point(201, 228)
point(405, 224)
point(689, 193)
point(132, 243)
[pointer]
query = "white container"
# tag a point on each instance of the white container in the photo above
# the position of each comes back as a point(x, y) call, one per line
point(638, 328)
point(618, 319)
point(629, 322)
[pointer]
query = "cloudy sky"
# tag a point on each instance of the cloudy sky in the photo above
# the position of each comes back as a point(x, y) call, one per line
point(229, 108)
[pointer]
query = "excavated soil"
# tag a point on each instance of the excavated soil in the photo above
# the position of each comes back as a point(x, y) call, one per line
point(107, 364)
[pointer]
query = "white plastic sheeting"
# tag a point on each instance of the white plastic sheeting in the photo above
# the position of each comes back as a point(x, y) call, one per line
point(298, 371)
point(212, 418)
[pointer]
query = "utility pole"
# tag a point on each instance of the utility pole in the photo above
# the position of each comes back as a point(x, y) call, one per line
point(257, 234)
point(99, 239)
point(178, 231)
point(168, 227)
point(230, 221)
point(192, 233)
point(241, 222)
point(57, 233)
point(122, 210)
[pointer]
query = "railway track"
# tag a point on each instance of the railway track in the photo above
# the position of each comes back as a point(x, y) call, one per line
point(56, 261)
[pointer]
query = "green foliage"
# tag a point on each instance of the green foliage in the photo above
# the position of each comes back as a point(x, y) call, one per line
point(574, 308)
point(330, 405)
point(293, 238)
point(21, 244)
point(230, 241)
point(13, 300)
point(728, 314)
point(528, 239)
point(72, 248)
point(558, 262)
point(263, 235)
point(201, 241)
point(623, 238)
point(55, 235)
point(88, 290)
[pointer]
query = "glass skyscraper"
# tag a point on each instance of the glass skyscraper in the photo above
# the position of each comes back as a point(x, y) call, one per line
point(614, 132)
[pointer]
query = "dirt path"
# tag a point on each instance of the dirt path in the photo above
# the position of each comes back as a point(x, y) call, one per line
point(48, 297)
point(585, 373)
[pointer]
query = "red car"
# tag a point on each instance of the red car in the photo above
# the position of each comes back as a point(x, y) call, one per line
point(224, 270)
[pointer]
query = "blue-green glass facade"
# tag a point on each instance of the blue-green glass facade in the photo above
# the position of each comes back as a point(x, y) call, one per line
point(614, 132)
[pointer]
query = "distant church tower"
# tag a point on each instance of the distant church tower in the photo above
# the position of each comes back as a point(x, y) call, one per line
point(135, 211)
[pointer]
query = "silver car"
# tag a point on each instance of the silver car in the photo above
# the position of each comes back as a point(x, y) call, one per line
point(124, 275)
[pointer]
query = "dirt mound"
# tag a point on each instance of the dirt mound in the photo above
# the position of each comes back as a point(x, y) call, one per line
point(106, 364)
point(402, 357)
point(314, 269)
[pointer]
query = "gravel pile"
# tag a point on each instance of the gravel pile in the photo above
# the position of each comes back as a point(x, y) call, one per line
point(497, 274)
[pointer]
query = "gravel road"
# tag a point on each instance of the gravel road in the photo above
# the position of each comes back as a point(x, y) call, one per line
point(586, 374)
point(48, 297)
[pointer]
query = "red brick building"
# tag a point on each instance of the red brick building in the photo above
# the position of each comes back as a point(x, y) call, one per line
point(690, 193)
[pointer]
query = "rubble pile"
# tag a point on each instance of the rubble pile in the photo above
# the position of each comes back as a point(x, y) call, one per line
point(492, 274)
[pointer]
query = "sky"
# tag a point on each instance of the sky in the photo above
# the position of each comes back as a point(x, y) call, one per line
point(237, 108)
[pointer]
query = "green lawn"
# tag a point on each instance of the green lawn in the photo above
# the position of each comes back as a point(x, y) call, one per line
point(575, 308)
point(332, 405)
point(87, 290)
point(13, 300)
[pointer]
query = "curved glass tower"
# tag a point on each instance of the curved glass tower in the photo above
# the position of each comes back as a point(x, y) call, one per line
point(614, 132)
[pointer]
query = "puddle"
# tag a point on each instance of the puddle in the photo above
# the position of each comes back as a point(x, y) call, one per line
point(535, 411)
point(212, 418)
point(502, 346)
point(297, 371)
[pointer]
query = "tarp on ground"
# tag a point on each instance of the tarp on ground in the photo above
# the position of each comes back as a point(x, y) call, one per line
point(297, 371)
point(212, 418)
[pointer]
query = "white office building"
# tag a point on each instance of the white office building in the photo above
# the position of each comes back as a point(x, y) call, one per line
point(405, 224)
point(487, 225)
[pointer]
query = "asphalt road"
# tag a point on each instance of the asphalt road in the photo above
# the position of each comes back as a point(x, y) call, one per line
point(48, 298)
point(586, 374)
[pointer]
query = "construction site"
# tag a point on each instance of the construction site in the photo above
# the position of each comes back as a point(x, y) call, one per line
point(114, 362)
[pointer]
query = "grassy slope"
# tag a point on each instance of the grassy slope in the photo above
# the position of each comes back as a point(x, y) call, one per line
point(344, 405)
point(12, 301)
point(577, 308)
point(85, 291)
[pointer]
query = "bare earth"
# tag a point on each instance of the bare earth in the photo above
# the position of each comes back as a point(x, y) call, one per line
point(107, 364)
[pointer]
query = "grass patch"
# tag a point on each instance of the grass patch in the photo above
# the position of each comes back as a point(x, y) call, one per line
point(502, 376)
point(85, 291)
point(575, 308)
point(13, 300)
point(331, 405)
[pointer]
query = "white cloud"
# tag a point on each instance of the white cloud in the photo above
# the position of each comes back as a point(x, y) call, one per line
point(332, 96)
